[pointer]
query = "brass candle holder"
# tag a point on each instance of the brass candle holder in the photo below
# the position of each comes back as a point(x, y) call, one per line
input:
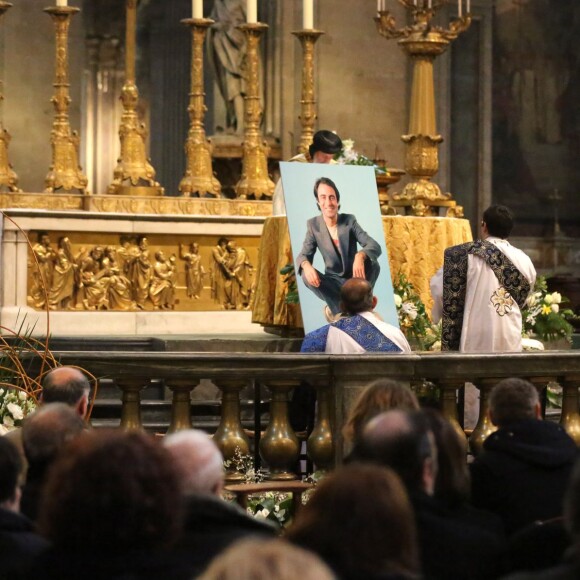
point(255, 182)
point(65, 174)
point(423, 42)
point(308, 114)
point(134, 175)
point(199, 179)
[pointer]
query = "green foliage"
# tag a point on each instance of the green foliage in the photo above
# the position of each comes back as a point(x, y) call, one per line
point(289, 273)
point(413, 318)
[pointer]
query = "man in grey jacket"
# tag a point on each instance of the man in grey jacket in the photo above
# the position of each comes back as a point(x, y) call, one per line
point(337, 237)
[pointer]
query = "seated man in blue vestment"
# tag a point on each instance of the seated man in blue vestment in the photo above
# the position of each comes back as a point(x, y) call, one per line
point(336, 236)
point(358, 329)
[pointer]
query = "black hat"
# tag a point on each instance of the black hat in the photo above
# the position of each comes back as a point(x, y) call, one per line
point(326, 142)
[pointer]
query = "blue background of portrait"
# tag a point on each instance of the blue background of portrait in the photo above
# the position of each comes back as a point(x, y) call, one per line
point(358, 196)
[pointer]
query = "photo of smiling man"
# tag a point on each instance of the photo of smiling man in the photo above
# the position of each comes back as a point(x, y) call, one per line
point(347, 250)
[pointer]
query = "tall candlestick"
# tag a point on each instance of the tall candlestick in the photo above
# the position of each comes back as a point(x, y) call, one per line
point(62, 2)
point(197, 8)
point(308, 14)
point(252, 11)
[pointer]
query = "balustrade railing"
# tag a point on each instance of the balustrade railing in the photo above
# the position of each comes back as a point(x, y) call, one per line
point(337, 380)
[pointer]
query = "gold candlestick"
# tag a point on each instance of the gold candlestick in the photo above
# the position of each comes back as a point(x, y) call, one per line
point(134, 175)
point(65, 173)
point(423, 42)
point(255, 182)
point(8, 178)
point(199, 179)
point(308, 114)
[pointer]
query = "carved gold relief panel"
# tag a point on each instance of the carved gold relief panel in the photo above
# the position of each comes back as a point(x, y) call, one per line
point(127, 272)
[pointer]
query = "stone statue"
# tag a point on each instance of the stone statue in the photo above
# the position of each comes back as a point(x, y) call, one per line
point(193, 270)
point(43, 268)
point(227, 54)
point(162, 289)
point(63, 284)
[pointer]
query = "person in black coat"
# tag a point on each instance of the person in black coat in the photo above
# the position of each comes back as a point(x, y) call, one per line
point(19, 544)
point(525, 466)
point(449, 546)
point(211, 524)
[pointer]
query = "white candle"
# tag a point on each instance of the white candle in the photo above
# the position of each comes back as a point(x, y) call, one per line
point(308, 14)
point(62, 3)
point(197, 8)
point(468, 6)
point(379, 5)
point(460, 8)
point(430, 4)
point(252, 11)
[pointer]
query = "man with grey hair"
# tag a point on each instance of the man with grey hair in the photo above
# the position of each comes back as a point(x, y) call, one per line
point(60, 385)
point(524, 468)
point(211, 524)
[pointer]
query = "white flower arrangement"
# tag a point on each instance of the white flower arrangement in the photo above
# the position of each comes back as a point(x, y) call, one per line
point(349, 156)
point(543, 316)
point(15, 404)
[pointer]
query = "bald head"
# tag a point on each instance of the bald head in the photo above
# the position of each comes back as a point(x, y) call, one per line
point(198, 460)
point(356, 295)
point(402, 441)
point(66, 385)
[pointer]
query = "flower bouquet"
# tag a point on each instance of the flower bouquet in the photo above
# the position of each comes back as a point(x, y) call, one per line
point(413, 318)
point(543, 316)
point(349, 156)
point(15, 404)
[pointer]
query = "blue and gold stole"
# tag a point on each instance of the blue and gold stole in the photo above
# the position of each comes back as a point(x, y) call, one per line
point(455, 284)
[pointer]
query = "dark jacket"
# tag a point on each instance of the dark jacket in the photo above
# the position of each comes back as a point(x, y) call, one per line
point(19, 544)
point(450, 548)
point(523, 472)
point(211, 526)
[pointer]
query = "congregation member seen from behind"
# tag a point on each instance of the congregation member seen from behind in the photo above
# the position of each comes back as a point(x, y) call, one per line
point(525, 466)
point(448, 548)
point(112, 506)
point(255, 559)
point(360, 522)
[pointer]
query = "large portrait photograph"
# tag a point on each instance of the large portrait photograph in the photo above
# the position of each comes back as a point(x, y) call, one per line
point(336, 234)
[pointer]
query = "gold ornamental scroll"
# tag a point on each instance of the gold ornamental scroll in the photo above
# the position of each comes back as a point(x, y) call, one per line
point(415, 247)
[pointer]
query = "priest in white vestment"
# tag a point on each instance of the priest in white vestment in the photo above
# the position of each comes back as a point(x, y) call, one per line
point(481, 288)
point(359, 329)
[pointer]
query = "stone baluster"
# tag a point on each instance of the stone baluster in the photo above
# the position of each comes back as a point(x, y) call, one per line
point(131, 388)
point(540, 383)
point(570, 419)
point(448, 401)
point(484, 426)
point(230, 434)
point(320, 444)
point(181, 404)
point(279, 447)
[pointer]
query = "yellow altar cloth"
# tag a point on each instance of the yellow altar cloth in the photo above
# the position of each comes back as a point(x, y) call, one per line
point(415, 246)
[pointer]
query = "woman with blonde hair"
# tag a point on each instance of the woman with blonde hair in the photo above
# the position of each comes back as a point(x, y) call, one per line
point(381, 395)
point(266, 560)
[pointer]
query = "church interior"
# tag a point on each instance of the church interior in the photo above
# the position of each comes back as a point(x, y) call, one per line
point(140, 143)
